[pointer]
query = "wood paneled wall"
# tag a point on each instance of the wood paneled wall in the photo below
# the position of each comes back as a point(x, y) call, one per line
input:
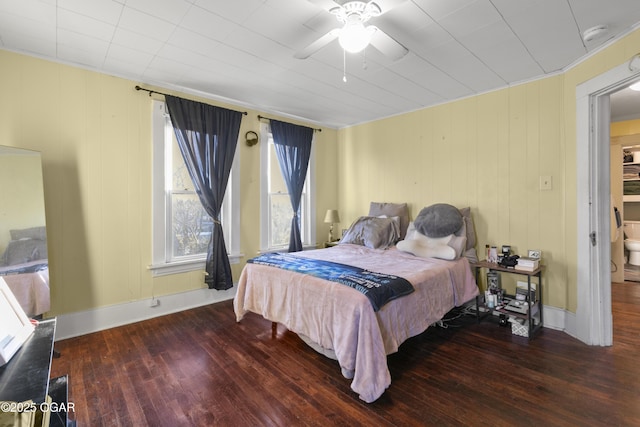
point(487, 152)
point(94, 133)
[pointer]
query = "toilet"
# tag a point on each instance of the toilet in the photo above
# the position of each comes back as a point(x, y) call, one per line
point(632, 241)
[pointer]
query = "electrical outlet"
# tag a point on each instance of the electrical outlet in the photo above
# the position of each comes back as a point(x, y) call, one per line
point(154, 302)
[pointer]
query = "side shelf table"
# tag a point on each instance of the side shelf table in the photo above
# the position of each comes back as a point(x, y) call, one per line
point(534, 315)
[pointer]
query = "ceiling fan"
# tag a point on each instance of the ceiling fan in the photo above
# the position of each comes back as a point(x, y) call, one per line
point(354, 36)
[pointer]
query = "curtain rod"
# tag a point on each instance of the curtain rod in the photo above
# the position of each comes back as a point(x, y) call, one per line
point(151, 92)
point(267, 118)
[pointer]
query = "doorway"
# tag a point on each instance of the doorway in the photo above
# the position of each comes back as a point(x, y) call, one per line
point(593, 314)
point(625, 184)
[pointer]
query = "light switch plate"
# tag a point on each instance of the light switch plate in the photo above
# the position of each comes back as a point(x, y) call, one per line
point(545, 182)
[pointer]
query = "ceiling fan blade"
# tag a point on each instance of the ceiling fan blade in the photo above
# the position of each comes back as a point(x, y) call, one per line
point(387, 5)
point(325, 4)
point(387, 44)
point(318, 44)
point(384, 5)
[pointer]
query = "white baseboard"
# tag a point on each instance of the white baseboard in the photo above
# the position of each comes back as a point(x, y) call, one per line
point(570, 324)
point(554, 318)
point(85, 322)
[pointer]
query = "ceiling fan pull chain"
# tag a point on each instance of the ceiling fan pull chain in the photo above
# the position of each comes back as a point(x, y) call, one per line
point(344, 65)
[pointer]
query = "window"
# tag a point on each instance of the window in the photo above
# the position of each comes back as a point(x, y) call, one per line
point(181, 227)
point(275, 206)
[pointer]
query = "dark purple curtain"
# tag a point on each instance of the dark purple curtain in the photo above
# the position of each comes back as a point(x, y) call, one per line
point(293, 148)
point(207, 137)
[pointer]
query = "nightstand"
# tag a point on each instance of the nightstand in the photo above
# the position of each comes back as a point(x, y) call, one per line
point(533, 315)
point(331, 244)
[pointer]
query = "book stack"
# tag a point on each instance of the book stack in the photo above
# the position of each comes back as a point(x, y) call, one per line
point(528, 264)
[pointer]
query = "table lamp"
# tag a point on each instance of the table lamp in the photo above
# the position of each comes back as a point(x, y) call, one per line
point(331, 217)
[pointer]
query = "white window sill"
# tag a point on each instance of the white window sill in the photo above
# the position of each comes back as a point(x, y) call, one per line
point(185, 266)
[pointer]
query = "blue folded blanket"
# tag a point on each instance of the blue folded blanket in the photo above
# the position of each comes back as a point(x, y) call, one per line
point(380, 288)
point(24, 268)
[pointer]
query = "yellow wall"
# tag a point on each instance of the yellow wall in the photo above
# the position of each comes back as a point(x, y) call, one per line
point(487, 152)
point(627, 127)
point(94, 132)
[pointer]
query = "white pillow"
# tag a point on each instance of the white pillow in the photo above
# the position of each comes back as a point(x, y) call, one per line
point(449, 247)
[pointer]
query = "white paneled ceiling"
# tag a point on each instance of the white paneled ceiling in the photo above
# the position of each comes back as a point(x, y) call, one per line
point(243, 50)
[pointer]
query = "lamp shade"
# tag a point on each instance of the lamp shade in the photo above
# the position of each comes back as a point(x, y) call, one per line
point(331, 217)
point(354, 37)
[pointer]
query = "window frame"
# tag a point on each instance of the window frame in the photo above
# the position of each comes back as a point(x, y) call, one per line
point(162, 261)
point(308, 233)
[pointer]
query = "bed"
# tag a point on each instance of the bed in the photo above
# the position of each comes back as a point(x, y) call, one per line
point(24, 266)
point(343, 323)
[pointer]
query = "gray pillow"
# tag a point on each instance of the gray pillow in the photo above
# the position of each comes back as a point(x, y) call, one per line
point(400, 210)
point(372, 232)
point(438, 220)
point(24, 250)
point(39, 233)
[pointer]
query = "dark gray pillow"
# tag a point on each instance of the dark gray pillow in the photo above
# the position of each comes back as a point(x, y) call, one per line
point(438, 220)
point(39, 233)
point(372, 232)
point(24, 250)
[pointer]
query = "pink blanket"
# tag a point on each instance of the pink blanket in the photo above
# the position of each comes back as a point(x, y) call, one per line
point(31, 290)
point(342, 320)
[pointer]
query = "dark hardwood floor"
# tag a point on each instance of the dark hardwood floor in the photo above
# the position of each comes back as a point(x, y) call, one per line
point(201, 368)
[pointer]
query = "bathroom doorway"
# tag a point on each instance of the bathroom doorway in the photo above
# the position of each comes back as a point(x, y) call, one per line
point(593, 322)
point(625, 184)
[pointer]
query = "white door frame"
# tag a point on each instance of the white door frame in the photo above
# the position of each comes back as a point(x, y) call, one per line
point(594, 323)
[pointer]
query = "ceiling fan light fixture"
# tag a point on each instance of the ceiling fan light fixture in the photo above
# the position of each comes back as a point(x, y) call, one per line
point(354, 37)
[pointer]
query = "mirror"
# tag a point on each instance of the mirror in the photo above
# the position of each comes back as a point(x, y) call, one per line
point(23, 239)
